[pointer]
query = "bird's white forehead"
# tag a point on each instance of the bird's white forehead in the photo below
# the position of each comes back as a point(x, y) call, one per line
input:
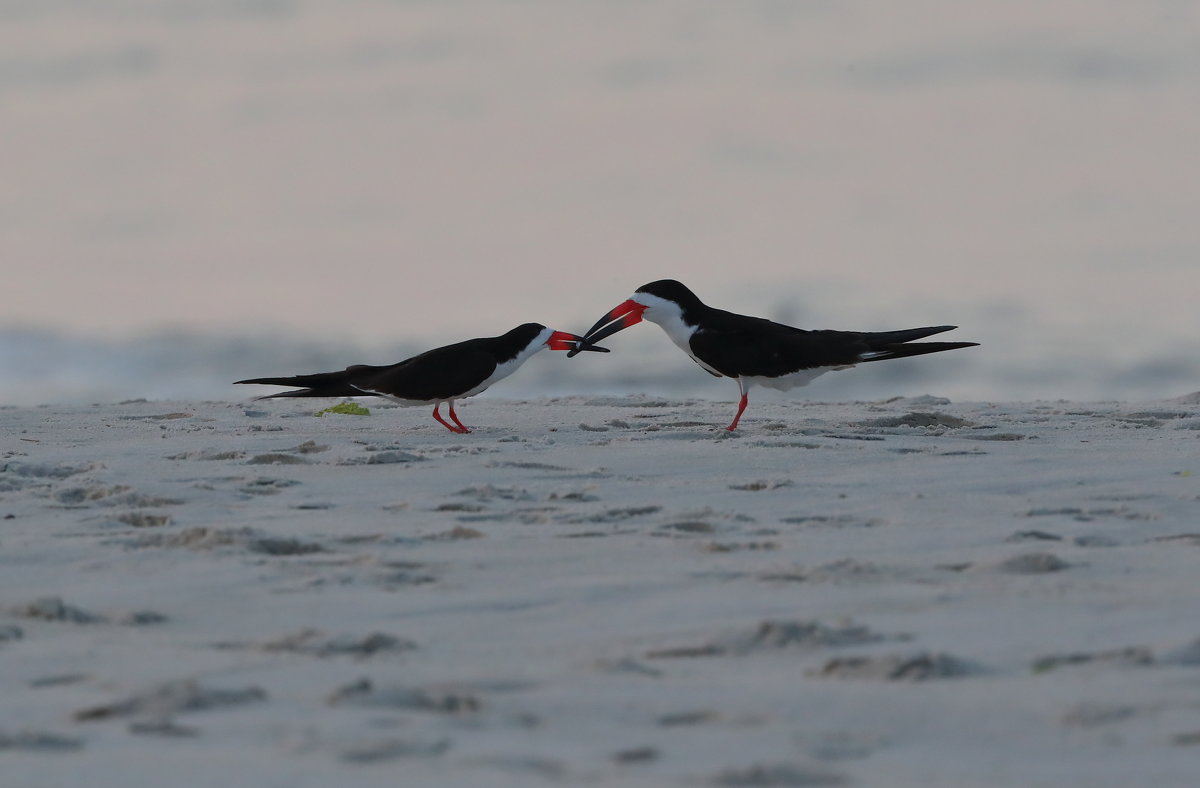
point(656, 303)
point(669, 316)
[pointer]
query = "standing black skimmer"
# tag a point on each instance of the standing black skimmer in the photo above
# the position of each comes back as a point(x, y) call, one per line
point(444, 374)
point(752, 350)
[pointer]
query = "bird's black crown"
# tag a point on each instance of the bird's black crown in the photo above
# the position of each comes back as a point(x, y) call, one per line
point(671, 290)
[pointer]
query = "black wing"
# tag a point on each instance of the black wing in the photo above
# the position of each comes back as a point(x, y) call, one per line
point(738, 345)
point(443, 373)
point(738, 353)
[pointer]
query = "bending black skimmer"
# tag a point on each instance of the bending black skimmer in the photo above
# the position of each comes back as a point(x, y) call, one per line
point(444, 374)
point(752, 350)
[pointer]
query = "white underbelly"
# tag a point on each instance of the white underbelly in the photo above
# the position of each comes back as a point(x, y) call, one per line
point(411, 403)
point(791, 380)
point(408, 403)
point(704, 366)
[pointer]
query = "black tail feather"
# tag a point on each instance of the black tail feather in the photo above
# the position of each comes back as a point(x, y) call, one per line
point(878, 340)
point(900, 350)
point(324, 384)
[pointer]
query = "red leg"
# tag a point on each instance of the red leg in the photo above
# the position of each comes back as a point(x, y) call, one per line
point(445, 423)
point(741, 406)
point(454, 417)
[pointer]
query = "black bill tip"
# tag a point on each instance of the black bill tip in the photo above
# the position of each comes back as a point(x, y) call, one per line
point(581, 346)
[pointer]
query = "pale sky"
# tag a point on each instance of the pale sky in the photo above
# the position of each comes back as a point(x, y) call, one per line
point(371, 169)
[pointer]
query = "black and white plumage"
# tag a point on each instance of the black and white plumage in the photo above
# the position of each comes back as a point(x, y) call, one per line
point(444, 374)
point(752, 350)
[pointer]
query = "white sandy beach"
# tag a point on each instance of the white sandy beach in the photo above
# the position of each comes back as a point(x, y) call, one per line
point(607, 591)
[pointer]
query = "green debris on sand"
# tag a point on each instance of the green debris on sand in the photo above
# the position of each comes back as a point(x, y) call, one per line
point(348, 408)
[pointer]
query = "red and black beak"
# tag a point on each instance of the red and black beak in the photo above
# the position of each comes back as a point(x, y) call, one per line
point(624, 315)
point(561, 340)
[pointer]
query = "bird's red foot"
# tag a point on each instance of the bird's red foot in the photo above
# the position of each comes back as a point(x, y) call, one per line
point(454, 417)
point(456, 427)
point(738, 417)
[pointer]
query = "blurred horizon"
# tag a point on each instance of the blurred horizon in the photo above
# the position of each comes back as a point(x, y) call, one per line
point(196, 187)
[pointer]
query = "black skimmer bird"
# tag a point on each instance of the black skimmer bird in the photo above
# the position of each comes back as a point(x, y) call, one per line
point(444, 374)
point(752, 350)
